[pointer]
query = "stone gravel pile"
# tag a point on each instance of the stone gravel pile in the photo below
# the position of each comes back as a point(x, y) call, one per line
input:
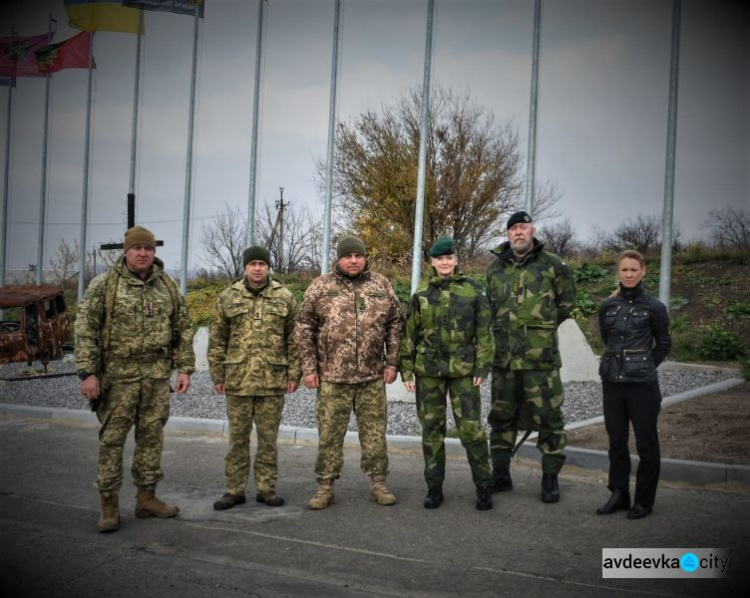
point(583, 400)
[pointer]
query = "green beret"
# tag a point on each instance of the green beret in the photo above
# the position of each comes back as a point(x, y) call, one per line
point(350, 245)
point(444, 246)
point(256, 252)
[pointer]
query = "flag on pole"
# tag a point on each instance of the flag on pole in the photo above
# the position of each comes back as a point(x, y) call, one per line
point(17, 55)
point(180, 7)
point(72, 53)
point(102, 15)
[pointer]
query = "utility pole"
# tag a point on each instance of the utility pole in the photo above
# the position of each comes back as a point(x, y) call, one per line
point(281, 206)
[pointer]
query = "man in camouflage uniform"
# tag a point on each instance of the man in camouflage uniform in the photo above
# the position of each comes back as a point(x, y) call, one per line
point(348, 332)
point(531, 292)
point(253, 360)
point(448, 346)
point(132, 330)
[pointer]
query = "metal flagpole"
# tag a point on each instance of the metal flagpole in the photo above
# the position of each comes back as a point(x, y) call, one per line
point(324, 266)
point(189, 164)
point(254, 134)
point(6, 182)
point(43, 198)
point(665, 273)
point(86, 181)
point(416, 266)
point(136, 94)
point(533, 107)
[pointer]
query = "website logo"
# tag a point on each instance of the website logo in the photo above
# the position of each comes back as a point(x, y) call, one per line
point(687, 563)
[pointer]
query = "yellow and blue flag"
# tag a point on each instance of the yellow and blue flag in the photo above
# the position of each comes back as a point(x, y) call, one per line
point(180, 7)
point(102, 15)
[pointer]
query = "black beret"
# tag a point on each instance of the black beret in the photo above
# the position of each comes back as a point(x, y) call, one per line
point(517, 217)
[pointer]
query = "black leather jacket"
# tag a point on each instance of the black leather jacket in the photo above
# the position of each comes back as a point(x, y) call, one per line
point(635, 330)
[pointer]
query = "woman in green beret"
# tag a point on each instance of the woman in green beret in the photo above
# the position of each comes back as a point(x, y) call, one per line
point(447, 349)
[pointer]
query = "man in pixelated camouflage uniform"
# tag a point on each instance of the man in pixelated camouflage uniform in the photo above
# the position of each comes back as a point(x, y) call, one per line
point(531, 292)
point(132, 330)
point(348, 332)
point(253, 360)
point(447, 345)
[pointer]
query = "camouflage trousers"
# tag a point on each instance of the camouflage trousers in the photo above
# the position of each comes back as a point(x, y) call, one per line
point(333, 409)
point(145, 405)
point(241, 412)
point(523, 399)
point(467, 408)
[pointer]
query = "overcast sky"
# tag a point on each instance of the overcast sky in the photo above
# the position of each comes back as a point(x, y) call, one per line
point(602, 129)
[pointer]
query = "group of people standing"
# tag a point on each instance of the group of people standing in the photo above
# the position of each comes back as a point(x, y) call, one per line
point(348, 339)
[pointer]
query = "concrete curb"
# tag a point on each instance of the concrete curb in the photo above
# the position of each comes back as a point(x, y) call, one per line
point(673, 470)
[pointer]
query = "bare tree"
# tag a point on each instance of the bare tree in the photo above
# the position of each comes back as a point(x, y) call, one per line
point(224, 241)
point(302, 239)
point(642, 233)
point(596, 242)
point(730, 228)
point(64, 264)
point(559, 237)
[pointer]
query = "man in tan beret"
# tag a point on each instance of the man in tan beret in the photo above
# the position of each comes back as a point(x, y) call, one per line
point(132, 330)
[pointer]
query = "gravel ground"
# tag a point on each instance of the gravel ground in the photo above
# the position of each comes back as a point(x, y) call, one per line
point(583, 400)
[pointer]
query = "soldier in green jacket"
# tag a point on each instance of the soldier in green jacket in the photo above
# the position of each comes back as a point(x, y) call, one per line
point(253, 360)
point(447, 345)
point(132, 330)
point(531, 292)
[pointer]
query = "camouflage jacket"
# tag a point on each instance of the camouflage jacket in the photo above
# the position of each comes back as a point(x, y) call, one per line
point(528, 301)
point(251, 350)
point(447, 331)
point(126, 328)
point(348, 330)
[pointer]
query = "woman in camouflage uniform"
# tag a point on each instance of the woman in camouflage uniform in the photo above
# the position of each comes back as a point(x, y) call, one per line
point(448, 347)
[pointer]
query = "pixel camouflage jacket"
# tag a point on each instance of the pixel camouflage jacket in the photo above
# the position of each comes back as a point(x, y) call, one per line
point(348, 330)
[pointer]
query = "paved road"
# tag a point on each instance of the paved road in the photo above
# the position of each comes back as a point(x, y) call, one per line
point(49, 546)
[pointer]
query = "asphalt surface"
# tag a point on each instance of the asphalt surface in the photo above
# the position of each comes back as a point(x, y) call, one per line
point(49, 546)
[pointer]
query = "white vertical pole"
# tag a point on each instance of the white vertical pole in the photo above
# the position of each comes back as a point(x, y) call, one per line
point(324, 266)
point(416, 267)
point(254, 134)
point(86, 178)
point(533, 109)
point(189, 163)
point(665, 272)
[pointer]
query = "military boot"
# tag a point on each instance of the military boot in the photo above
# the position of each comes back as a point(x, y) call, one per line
point(109, 521)
point(379, 491)
point(323, 496)
point(484, 498)
point(550, 489)
point(501, 480)
point(147, 505)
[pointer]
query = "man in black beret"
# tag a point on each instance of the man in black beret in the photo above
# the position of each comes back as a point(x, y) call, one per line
point(531, 292)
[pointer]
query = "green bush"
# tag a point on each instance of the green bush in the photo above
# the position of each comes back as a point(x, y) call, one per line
point(677, 302)
point(739, 311)
point(585, 303)
point(590, 272)
point(708, 343)
point(679, 324)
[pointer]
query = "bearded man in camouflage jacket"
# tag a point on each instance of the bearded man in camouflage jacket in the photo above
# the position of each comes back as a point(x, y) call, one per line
point(253, 361)
point(348, 332)
point(132, 330)
point(531, 292)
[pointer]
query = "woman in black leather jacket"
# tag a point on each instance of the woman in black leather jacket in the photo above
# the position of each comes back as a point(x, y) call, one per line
point(635, 331)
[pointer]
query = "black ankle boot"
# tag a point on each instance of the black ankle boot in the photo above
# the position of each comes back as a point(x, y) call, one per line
point(501, 480)
point(619, 501)
point(484, 499)
point(434, 498)
point(550, 489)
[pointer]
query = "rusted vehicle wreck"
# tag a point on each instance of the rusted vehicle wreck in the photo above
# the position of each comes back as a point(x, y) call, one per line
point(35, 323)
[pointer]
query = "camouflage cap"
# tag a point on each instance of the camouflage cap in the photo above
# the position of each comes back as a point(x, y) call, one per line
point(520, 216)
point(137, 235)
point(443, 246)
